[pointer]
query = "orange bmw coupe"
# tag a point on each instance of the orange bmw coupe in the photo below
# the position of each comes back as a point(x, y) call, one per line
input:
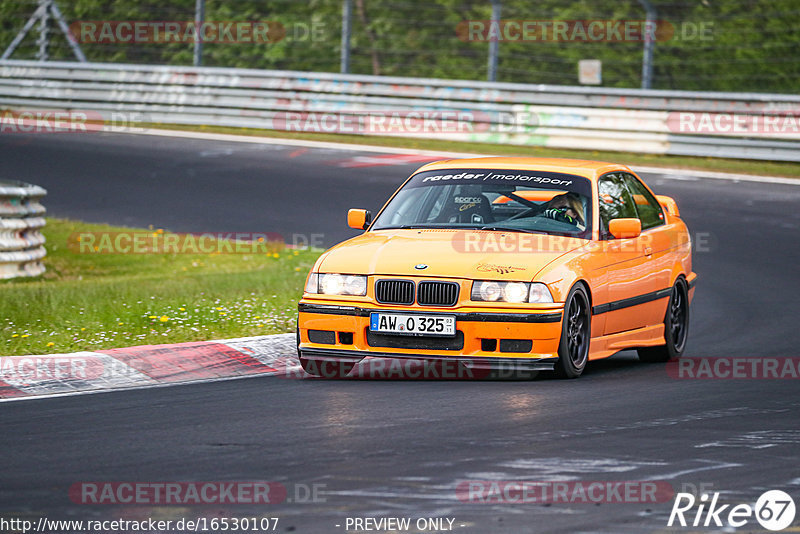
point(528, 264)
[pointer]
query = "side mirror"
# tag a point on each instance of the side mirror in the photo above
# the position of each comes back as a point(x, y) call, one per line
point(669, 204)
point(358, 219)
point(625, 228)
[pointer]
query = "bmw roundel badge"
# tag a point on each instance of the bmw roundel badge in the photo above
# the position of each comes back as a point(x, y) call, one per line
point(420, 266)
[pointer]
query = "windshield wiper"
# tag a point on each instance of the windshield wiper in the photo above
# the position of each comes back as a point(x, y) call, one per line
point(509, 229)
point(487, 227)
point(408, 226)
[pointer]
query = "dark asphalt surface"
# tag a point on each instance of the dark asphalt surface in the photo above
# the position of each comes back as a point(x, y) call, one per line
point(399, 448)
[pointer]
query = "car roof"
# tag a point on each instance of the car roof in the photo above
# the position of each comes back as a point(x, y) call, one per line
point(580, 167)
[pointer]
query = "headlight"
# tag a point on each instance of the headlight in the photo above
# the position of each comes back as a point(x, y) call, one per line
point(489, 291)
point(337, 284)
point(312, 284)
point(540, 293)
point(517, 292)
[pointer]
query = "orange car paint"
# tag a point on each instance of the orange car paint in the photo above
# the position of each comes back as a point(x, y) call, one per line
point(612, 271)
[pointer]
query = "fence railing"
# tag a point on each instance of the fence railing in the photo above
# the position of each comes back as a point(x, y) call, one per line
point(728, 125)
point(21, 242)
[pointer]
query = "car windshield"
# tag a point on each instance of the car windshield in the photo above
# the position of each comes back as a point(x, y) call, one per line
point(492, 199)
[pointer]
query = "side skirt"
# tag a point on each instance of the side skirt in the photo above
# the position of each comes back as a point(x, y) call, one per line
point(605, 346)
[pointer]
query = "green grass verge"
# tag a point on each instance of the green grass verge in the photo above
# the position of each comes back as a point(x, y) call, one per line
point(89, 301)
point(762, 168)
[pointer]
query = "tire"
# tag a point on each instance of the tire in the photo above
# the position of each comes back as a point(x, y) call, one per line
point(576, 329)
point(676, 327)
point(327, 368)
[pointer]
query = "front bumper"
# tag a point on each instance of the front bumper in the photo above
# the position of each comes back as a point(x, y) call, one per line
point(525, 340)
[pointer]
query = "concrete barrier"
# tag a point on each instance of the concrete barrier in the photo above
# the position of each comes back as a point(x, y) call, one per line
point(726, 125)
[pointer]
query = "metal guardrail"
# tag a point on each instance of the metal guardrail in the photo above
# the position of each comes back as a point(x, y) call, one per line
point(634, 120)
point(21, 242)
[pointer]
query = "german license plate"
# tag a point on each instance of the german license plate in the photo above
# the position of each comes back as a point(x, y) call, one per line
point(415, 325)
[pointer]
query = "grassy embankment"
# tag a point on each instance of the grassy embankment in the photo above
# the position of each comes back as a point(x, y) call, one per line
point(92, 300)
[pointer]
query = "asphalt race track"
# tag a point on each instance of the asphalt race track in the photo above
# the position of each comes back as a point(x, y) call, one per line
point(383, 448)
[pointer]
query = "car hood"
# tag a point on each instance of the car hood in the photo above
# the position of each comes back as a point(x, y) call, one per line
point(448, 253)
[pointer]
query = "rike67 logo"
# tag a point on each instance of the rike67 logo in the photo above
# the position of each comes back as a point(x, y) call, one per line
point(774, 510)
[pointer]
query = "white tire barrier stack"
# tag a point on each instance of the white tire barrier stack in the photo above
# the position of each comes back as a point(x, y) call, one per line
point(21, 218)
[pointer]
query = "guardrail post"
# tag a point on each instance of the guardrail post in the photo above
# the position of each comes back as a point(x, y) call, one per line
point(494, 43)
point(21, 243)
point(347, 17)
point(649, 44)
point(199, 18)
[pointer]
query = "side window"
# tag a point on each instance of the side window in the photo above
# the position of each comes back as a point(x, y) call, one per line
point(647, 206)
point(614, 200)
